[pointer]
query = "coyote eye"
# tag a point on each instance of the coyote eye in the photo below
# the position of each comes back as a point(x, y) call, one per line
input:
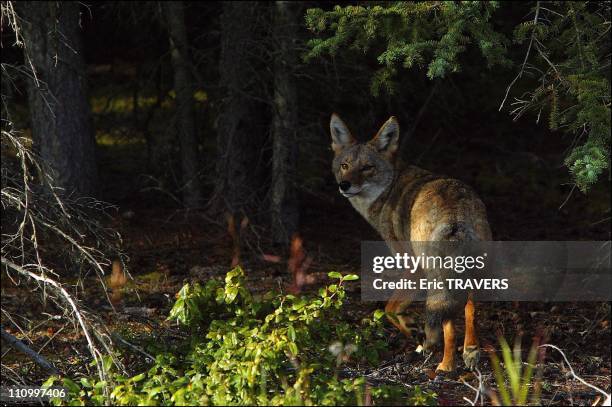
point(344, 166)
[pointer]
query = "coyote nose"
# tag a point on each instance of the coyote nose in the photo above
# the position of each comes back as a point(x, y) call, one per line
point(344, 185)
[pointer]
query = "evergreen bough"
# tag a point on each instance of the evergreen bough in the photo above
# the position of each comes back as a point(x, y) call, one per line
point(566, 58)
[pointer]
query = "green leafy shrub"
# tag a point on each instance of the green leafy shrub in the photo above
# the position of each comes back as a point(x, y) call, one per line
point(242, 350)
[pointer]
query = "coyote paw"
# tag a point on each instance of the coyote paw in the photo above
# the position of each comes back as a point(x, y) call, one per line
point(423, 351)
point(445, 368)
point(430, 345)
point(471, 356)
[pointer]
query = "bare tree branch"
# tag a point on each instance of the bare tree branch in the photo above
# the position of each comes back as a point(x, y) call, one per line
point(20, 346)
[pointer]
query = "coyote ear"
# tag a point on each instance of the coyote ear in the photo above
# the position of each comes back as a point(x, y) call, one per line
point(387, 139)
point(340, 134)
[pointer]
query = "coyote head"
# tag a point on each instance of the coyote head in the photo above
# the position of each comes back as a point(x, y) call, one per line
point(363, 169)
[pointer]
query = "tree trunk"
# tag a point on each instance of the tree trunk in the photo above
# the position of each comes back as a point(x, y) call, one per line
point(62, 131)
point(183, 86)
point(284, 124)
point(239, 145)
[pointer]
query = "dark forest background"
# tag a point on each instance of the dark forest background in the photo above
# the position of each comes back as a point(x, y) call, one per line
point(163, 142)
point(223, 106)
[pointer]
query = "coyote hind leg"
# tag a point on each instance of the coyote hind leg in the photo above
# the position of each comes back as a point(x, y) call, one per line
point(471, 351)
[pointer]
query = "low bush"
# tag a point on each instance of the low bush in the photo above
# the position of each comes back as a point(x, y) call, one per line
point(277, 349)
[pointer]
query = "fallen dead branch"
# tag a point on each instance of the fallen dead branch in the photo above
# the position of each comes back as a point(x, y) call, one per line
point(138, 349)
point(22, 347)
point(68, 298)
point(480, 390)
point(575, 376)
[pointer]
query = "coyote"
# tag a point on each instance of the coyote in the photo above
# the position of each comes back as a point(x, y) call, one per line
point(406, 203)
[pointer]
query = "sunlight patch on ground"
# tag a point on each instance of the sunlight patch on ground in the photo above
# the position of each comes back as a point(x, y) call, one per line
point(116, 138)
point(119, 104)
point(125, 103)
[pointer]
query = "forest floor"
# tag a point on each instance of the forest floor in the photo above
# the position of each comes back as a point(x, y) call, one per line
point(168, 247)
